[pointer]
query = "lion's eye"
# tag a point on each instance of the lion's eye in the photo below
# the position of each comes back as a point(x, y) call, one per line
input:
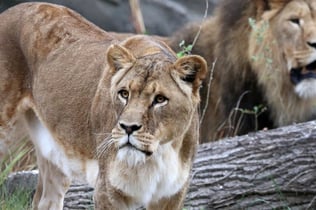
point(159, 99)
point(295, 21)
point(124, 94)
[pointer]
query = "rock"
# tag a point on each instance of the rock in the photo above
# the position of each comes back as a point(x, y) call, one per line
point(24, 180)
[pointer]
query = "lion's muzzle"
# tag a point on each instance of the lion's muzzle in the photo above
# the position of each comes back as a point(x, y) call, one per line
point(307, 72)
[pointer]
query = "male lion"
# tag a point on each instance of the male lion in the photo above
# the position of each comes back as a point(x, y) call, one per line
point(265, 64)
point(124, 114)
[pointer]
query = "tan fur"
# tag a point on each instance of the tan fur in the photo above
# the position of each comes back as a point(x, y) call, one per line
point(254, 68)
point(122, 112)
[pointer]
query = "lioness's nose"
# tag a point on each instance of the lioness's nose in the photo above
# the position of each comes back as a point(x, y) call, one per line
point(129, 129)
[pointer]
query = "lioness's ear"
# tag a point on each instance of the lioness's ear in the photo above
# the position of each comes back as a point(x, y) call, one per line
point(192, 69)
point(118, 57)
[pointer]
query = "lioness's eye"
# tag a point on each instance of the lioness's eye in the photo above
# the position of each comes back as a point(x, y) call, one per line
point(124, 94)
point(159, 99)
point(295, 21)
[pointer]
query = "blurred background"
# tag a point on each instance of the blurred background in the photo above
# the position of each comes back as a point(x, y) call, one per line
point(161, 17)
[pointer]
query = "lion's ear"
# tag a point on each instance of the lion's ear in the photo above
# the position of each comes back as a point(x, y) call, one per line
point(192, 69)
point(264, 5)
point(119, 57)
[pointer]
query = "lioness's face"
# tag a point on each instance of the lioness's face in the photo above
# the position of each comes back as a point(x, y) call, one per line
point(154, 101)
point(294, 27)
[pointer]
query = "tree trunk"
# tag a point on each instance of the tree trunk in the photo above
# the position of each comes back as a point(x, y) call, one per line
point(273, 169)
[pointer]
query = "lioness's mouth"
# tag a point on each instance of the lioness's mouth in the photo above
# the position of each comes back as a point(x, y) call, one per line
point(128, 144)
point(307, 72)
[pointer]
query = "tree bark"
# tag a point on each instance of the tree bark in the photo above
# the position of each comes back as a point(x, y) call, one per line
point(273, 169)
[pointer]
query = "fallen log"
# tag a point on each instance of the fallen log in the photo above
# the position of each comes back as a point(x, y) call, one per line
point(274, 169)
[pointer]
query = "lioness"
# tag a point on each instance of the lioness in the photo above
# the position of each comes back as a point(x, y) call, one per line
point(124, 114)
point(265, 65)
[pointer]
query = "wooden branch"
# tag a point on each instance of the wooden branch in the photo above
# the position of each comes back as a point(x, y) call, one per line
point(137, 16)
point(273, 169)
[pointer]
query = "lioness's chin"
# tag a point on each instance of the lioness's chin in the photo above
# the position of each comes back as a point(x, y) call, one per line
point(306, 89)
point(131, 156)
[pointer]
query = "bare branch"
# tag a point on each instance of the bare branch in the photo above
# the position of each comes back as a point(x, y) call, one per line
point(137, 17)
point(208, 92)
point(200, 29)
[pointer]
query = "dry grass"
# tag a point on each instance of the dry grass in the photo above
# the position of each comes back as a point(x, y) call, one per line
point(27, 159)
point(20, 157)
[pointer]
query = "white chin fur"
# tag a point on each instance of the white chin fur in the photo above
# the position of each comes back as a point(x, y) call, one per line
point(131, 156)
point(306, 89)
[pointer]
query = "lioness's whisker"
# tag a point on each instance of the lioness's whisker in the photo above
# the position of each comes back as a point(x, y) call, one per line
point(105, 146)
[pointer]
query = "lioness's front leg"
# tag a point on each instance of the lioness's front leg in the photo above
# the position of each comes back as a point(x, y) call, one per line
point(107, 197)
point(113, 199)
point(38, 192)
point(51, 187)
point(174, 202)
